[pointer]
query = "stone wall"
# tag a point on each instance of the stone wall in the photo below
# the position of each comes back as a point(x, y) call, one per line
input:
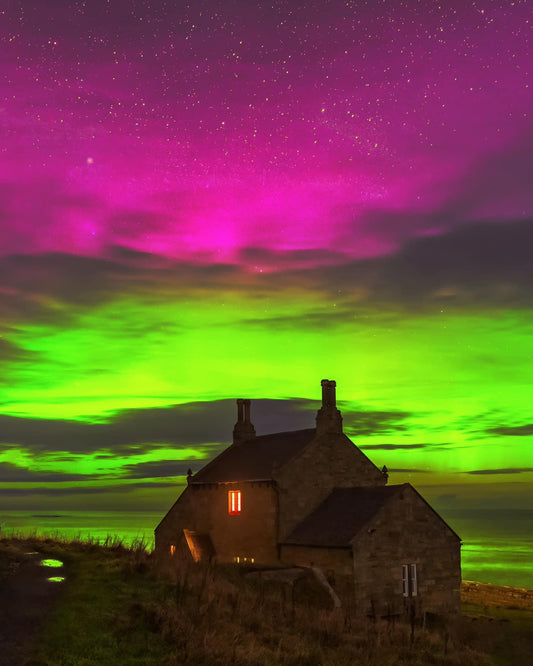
point(406, 531)
point(180, 516)
point(204, 508)
point(334, 562)
point(329, 461)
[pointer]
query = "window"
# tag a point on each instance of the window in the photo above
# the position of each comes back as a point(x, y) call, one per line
point(234, 502)
point(409, 580)
point(243, 560)
point(172, 549)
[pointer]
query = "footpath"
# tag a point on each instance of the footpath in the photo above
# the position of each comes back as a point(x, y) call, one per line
point(28, 593)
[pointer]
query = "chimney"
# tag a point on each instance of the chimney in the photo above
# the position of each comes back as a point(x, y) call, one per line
point(328, 418)
point(243, 430)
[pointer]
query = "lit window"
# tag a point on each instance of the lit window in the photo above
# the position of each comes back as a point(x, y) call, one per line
point(239, 559)
point(234, 502)
point(409, 580)
point(172, 549)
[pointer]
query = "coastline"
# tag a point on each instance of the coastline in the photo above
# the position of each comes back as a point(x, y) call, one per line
point(500, 596)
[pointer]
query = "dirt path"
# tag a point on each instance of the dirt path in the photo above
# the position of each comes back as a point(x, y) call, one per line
point(26, 599)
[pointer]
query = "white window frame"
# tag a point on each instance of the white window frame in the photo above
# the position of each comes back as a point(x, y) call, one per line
point(409, 580)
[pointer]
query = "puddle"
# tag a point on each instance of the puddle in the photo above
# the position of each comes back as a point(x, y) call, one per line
point(56, 579)
point(54, 564)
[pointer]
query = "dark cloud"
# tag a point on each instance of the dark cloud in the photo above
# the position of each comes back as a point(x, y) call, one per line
point(205, 426)
point(9, 352)
point(514, 431)
point(291, 259)
point(447, 497)
point(475, 265)
point(33, 284)
point(409, 470)
point(136, 431)
point(160, 468)
point(360, 423)
point(490, 262)
point(85, 490)
point(507, 470)
point(499, 180)
point(501, 177)
point(11, 473)
point(392, 447)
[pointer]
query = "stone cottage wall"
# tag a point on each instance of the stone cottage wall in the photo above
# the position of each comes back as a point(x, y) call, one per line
point(406, 531)
point(204, 508)
point(167, 533)
point(329, 461)
point(252, 534)
point(334, 562)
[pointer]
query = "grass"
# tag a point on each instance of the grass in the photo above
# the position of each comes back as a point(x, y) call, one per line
point(118, 609)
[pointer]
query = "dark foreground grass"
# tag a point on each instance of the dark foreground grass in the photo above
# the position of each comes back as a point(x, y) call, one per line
point(117, 609)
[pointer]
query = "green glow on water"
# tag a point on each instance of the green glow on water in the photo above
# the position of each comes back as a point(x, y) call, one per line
point(56, 579)
point(54, 564)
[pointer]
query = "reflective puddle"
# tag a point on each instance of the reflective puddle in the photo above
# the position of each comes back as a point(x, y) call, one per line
point(55, 564)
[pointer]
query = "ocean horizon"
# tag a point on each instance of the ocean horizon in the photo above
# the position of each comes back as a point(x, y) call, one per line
point(497, 544)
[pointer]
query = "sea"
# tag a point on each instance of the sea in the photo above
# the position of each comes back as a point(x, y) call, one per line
point(497, 544)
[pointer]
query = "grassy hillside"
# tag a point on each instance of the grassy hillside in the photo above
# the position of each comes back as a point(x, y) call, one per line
point(116, 609)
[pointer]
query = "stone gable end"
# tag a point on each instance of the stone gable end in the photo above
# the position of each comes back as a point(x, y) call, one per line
point(406, 531)
point(329, 461)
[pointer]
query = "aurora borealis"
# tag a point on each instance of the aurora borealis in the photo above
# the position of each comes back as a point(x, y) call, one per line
point(213, 200)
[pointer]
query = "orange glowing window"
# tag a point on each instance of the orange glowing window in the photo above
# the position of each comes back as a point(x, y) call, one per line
point(234, 502)
point(172, 549)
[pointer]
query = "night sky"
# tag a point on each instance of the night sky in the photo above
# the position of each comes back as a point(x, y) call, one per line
point(238, 199)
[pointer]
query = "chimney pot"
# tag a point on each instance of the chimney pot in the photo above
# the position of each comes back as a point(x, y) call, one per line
point(240, 402)
point(244, 429)
point(328, 418)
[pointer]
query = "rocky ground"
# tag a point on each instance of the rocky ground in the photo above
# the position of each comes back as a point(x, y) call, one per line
point(499, 596)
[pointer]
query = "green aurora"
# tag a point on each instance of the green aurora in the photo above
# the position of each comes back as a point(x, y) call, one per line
point(452, 389)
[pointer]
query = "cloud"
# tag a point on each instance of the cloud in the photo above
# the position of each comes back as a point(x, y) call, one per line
point(159, 468)
point(409, 470)
point(471, 265)
point(447, 497)
point(36, 287)
point(360, 423)
point(11, 473)
point(507, 470)
point(9, 352)
point(84, 490)
point(135, 431)
point(289, 260)
point(513, 431)
point(393, 447)
point(204, 427)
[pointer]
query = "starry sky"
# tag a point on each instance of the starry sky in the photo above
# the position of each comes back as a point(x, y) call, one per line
point(225, 199)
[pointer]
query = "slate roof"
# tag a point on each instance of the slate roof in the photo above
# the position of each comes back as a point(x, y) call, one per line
point(343, 513)
point(254, 460)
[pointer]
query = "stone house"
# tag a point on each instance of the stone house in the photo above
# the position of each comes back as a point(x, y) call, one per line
point(312, 498)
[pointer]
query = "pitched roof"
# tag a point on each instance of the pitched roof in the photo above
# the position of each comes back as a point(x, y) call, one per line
point(254, 460)
point(343, 513)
